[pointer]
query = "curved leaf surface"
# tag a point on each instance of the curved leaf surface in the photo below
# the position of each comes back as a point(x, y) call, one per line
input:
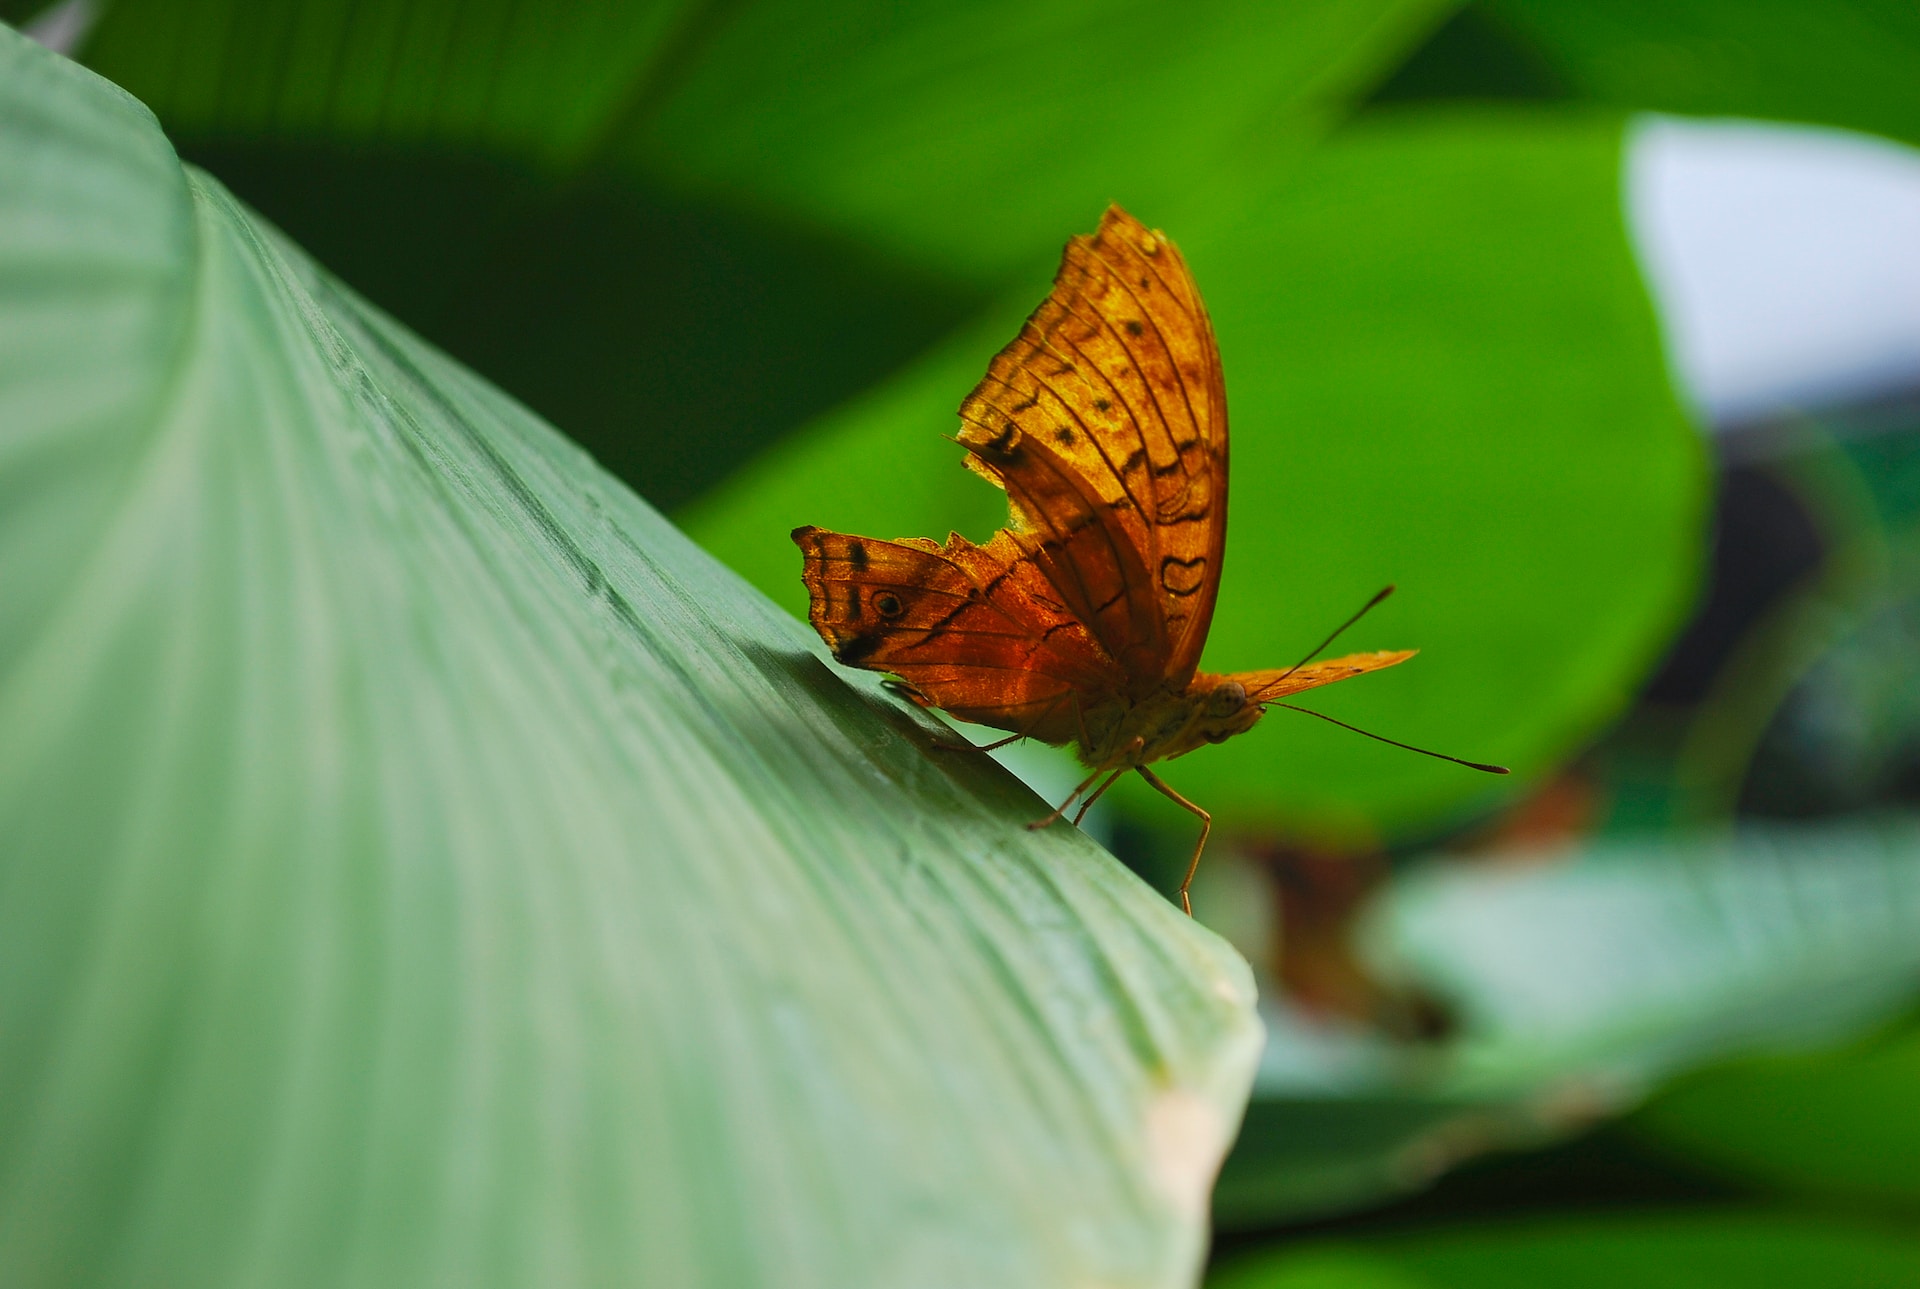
point(424, 866)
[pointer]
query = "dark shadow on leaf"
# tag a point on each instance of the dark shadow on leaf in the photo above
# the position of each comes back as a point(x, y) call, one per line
point(673, 340)
point(860, 704)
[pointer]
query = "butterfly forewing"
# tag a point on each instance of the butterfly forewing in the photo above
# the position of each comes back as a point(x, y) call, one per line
point(1272, 686)
point(1105, 420)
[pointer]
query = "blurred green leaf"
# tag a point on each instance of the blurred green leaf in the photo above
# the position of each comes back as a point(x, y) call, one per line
point(1443, 373)
point(1473, 57)
point(1305, 1156)
point(682, 229)
point(424, 866)
point(963, 136)
point(1838, 1122)
point(1639, 956)
point(1741, 1250)
point(1575, 983)
point(1837, 62)
point(977, 135)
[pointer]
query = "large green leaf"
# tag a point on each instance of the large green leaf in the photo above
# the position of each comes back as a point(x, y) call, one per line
point(1443, 373)
point(423, 866)
point(1740, 1250)
point(1838, 62)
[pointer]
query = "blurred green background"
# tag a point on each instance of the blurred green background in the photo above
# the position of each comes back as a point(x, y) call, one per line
point(1642, 1014)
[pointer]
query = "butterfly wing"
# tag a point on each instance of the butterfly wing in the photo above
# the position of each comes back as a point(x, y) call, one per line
point(974, 630)
point(1106, 422)
point(1272, 686)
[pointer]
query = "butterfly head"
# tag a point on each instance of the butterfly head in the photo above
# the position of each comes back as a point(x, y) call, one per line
point(1221, 710)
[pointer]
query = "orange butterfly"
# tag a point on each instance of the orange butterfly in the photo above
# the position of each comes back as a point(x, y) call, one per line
point(1105, 421)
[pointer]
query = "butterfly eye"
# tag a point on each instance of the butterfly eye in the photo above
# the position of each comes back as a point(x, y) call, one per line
point(1227, 699)
point(888, 605)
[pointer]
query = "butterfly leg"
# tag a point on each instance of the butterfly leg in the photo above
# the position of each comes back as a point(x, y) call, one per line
point(1097, 794)
point(999, 743)
point(1206, 826)
point(1085, 783)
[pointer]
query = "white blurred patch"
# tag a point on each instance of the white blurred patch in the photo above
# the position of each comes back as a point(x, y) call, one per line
point(64, 26)
point(1186, 1140)
point(1784, 259)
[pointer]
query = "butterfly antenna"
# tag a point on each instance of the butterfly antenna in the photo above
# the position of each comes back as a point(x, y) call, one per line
point(1383, 593)
point(1471, 765)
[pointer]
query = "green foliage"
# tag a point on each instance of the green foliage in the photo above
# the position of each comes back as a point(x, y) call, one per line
point(1579, 981)
point(423, 865)
point(1740, 1250)
point(1836, 62)
point(1443, 372)
point(680, 230)
point(1043, 112)
point(1838, 1123)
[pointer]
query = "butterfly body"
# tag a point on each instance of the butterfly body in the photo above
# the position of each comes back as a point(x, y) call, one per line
point(1082, 621)
point(1122, 735)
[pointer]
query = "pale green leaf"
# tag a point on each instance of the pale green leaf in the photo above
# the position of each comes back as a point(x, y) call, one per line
point(423, 866)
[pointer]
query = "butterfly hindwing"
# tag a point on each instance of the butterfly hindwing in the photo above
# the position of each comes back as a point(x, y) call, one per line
point(970, 629)
point(1105, 420)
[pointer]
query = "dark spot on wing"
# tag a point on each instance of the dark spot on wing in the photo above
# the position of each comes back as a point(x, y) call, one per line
point(1003, 443)
point(1103, 405)
point(888, 605)
point(1133, 327)
point(857, 649)
point(1064, 434)
point(857, 554)
point(1183, 576)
